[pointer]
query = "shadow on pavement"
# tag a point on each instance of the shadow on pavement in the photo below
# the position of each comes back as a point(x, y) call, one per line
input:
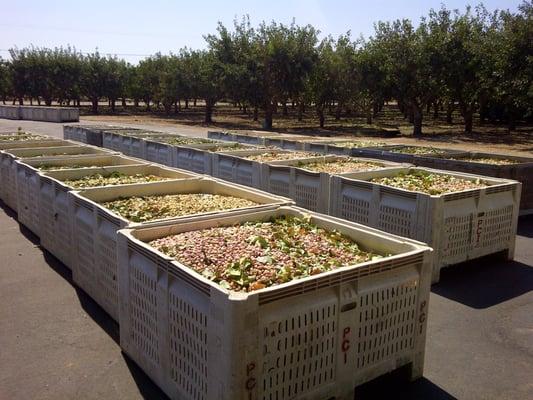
point(396, 385)
point(148, 389)
point(485, 282)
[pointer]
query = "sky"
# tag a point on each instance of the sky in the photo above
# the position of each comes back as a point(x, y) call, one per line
point(135, 29)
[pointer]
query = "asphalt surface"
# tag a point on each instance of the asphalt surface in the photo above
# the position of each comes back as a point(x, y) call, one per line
point(56, 343)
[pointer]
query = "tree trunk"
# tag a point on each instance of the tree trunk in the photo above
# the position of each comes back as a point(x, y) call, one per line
point(417, 121)
point(21, 101)
point(338, 111)
point(194, 103)
point(94, 103)
point(469, 121)
point(375, 109)
point(176, 111)
point(113, 101)
point(48, 102)
point(301, 107)
point(123, 102)
point(449, 112)
point(147, 102)
point(187, 103)
point(436, 110)
point(428, 108)
point(320, 112)
point(269, 111)
point(369, 116)
point(38, 100)
point(31, 101)
point(208, 112)
point(244, 109)
point(256, 114)
point(136, 103)
point(411, 115)
point(467, 110)
point(285, 109)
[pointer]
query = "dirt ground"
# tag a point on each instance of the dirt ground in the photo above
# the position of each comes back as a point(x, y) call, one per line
point(486, 138)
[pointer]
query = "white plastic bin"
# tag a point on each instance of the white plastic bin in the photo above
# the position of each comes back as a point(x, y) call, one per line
point(521, 170)
point(54, 220)
point(459, 226)
point(313, 338)
point(309, 189)
point(95, 228)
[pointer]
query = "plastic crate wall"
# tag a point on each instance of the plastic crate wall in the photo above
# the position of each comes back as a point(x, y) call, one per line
point(94, 234)
point(309, 340)
point(459, 226)
point(308, 189)
point(236, 169)
point(55, 221)
point(522, 172)
point(27, 196)
point(191, 159)
point(9, 181)
point(161, 153)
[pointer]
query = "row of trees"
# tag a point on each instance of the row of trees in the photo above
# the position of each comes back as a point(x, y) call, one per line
point(475, 61)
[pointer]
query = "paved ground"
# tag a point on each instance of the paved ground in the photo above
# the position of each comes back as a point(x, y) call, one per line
point(56, 343)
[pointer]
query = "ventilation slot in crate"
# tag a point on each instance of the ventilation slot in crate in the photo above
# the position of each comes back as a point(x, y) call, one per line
point(495, 228)
point(299, 353)
point(395, 220)
point(356, 210)
point(143, 313)
point(386, 323)
point(457, 233)
point(188, 347)
point(306, 197)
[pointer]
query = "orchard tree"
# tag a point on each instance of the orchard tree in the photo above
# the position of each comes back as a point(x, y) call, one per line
point(407, 65)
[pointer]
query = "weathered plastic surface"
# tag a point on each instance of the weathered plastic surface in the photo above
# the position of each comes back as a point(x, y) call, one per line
point(8, 176)
point(89, 134)
point(522, 171)
point(313, 338)
point(385, 153)
point(45, 142)
point(55, 223)
point(459, 226)
point(95, 228)
point(309, 189)
point(9, 112)
point(49, 114)
point(60, 151)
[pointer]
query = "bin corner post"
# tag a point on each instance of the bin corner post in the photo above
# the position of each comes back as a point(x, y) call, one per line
point(233, 346)
point(514, 227)
point(426, 267)
point(123, 289)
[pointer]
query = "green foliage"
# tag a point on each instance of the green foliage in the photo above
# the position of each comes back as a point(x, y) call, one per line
point(477, 60)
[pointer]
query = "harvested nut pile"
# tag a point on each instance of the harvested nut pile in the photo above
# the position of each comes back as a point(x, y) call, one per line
point(188, 141)
point(115, 178)
point(148, 208)
point(486, 160)
point(255, 255)
point(20, 137)
point(341, 166)
point(234, 146)
point(49, 167)
point(420, 181)
point(275, 156)
point(418, 150)
point(357, 144)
